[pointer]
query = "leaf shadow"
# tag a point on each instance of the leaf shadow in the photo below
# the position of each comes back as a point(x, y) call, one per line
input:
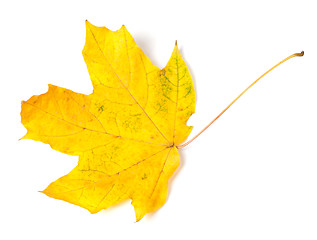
point(145, 42)
point(112, 209)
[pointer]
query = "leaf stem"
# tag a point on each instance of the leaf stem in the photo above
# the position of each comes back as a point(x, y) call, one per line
point(284, 60)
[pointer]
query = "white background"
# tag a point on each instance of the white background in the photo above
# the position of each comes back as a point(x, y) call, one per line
point(252, 175)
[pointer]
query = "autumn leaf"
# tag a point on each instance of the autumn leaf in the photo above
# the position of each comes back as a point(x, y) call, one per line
point(125, 133)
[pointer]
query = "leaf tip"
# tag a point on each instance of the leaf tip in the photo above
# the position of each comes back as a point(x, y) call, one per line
point(24, 137)
point(87, 23)
point(138, 218)
point(176, 49)
point(51, 86)
point(44, 192)
point(123, 27)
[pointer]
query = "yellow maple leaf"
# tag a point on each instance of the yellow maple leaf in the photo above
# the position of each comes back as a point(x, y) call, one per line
point(125, 133)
